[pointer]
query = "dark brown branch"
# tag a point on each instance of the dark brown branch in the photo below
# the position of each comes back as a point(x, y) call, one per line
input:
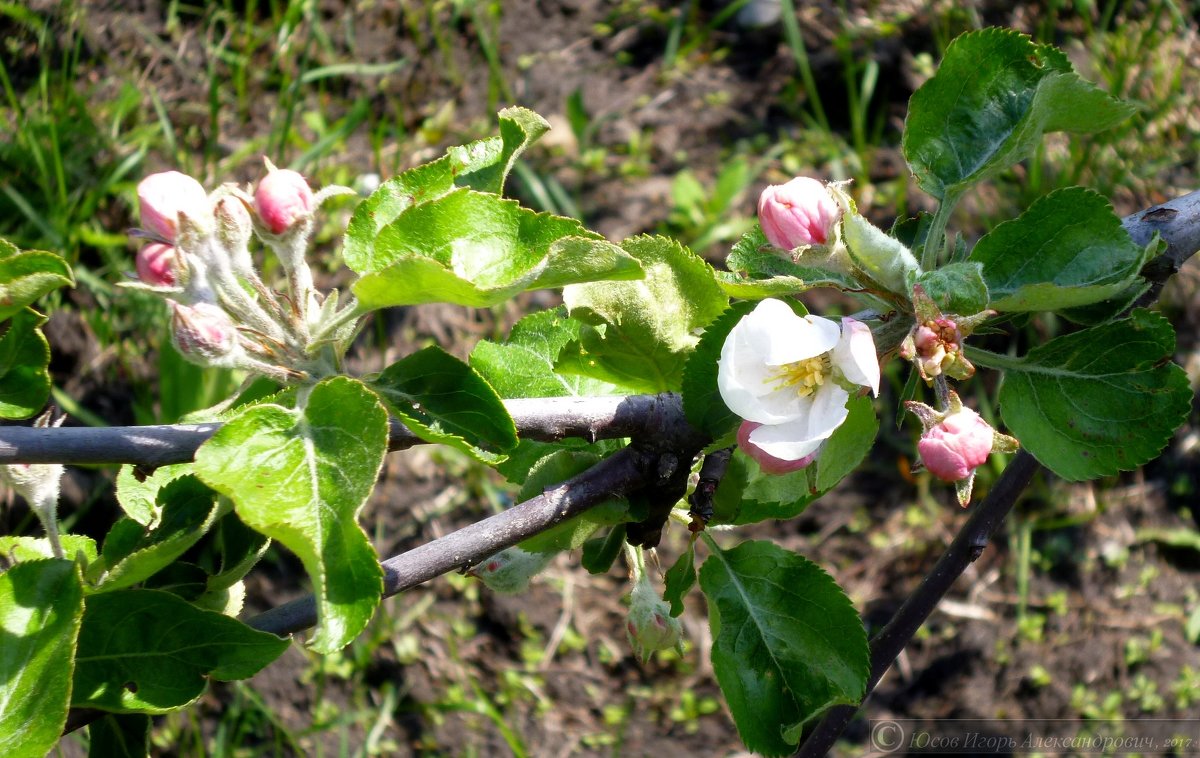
point(622, 472)
point(545, 419)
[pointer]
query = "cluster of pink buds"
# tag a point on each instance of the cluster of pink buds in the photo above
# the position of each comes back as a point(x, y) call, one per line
point(957, 441)
point(935, 344)
point(197, 255)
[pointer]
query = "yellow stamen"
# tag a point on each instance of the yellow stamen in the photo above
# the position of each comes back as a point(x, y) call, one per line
point(804, 376)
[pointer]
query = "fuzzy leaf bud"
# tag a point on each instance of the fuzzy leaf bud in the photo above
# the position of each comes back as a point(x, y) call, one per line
point(510, 570)
point(650, 626)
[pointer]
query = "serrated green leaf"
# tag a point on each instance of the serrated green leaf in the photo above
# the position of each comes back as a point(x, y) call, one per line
point(523, 366)
point(1099, 401)
point(1069, 249)
point(443, 400)
point(702, 403)
point(572, 533)
point(119, 735)
point(638, 334)
point(994, 95)
point(301, 477)
point(75, 547)
point(24, 358)
point(476, 249)
point(189, 509)
point(787, 642)
point(599, 553)
point(482, 165)
point(957, 288)
point(680, 579)
point(746, 495)
point(137, 491)
point(759, 271)
point(27, 275)
point(41, 603)
point(122, 539)
point(148, 651)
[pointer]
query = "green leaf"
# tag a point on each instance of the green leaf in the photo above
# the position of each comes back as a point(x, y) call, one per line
point(993, 97)
point(957, 288)
point(27, 275)
point(787, 642)
point(24, 358)
point(137, 491)
point(476, 249)
point(746, 495)
point(572, 533)
point(523, 366)
point(301, 477)
point(638, 334)
point(147, 651)
point(482, 165)
point(489, 162)
point(702, 403)
point(189, 510)
point(1099, 401)
point(680, 579)
point(1069, 249)
point(760, 271)
point(599, 553)
point(119, 735)
point(75, 547)
point(443, 400)
point(41, 603)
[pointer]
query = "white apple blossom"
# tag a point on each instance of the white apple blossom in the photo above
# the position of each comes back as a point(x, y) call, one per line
point(792, 375)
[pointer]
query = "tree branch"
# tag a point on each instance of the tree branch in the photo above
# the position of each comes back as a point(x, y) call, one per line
point(545, 419)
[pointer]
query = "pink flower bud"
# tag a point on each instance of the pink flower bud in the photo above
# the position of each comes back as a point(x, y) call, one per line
point(650, 626)
point(203, 333)
point(767, 462)
point(801, 212)
point(955, 447)
point(233, 224)
point(282, 199)
point(156, 264)
point(164, 196)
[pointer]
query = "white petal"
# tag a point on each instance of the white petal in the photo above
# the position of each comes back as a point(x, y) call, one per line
point(855, 355)
point(795, 439)
point(780, 337)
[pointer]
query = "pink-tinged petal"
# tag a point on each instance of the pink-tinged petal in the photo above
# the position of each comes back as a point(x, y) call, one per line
point(792, 440)
point(855, 355)
point(163, 196)
point(283, 197)
point(767, 462)
point(957, 446)
point(784, 442)
point(801, 212)
point(156, 264)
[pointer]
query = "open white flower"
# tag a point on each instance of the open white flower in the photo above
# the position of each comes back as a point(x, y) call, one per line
point(793, 375)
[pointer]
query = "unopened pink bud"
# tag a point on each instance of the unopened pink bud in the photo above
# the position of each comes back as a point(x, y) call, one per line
point(956, 446)
point(282, 199)
point(650, 626)
point(164, 196)
point(203, 332)
point(801, 212)
point(156, 264)
point(767, 462)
